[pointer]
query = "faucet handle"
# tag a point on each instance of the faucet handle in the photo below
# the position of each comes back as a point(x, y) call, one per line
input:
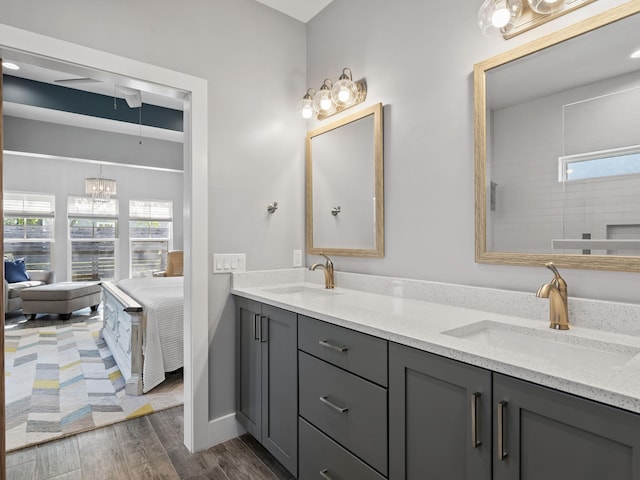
point(329, 262)
point(559, 282)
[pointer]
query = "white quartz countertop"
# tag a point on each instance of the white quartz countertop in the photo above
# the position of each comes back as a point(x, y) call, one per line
point(437, 329)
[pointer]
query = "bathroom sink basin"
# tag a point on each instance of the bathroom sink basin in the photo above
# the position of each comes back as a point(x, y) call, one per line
point(553, 345)
point(301, 289)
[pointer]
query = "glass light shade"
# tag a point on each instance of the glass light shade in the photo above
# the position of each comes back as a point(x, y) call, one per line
point(344, 92)
point(305, 108)
point(322, 101)
point(499, 16)
point(545, 7)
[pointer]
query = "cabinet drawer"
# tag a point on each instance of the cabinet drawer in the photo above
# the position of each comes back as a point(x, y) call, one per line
point(356, 352)
point(350, 410)
point(318, 453)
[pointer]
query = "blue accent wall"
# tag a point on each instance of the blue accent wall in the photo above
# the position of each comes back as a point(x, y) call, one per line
point(55, 97)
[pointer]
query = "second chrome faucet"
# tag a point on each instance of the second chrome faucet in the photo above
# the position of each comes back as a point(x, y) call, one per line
point(556, 292)
point(328, 271)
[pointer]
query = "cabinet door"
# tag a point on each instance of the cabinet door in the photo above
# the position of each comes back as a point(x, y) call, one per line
point(249, 378)
point(549, 435)
point(279, 336)
point(439, 417)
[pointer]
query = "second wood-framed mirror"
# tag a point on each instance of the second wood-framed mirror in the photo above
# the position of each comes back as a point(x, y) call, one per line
point(345, 186)
point(557, 148)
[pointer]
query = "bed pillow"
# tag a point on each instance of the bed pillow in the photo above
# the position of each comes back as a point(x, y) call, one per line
point(15, 271)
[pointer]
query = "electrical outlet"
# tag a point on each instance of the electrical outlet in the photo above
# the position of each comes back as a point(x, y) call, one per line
point(297, 258)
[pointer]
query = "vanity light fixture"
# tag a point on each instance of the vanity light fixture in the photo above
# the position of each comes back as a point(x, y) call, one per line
point(332, 98)
point(10, 66)
point(512, 17)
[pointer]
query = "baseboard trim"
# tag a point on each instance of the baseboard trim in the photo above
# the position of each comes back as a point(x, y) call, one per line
point(224, 428)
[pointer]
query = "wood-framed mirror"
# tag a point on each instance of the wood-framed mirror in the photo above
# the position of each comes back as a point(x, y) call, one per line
point(345, 186)
point(557, 148)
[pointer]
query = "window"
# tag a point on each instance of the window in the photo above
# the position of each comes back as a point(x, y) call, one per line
point(93, 235)
point(150, 231)
point(28, 228)
point(606, 163)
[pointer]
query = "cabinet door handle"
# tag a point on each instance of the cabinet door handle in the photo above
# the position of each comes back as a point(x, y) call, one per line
point(337, 408)
point(475, 398)
point(325, 474)
point(502, 423)
point(338, 348)
point(256, 317)
point(264, 328)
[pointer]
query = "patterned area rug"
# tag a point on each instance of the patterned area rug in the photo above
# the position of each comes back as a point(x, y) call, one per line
point(62, 380)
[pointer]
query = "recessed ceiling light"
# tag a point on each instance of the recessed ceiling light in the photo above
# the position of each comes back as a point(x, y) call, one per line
point(10, 66)
point(635, 54)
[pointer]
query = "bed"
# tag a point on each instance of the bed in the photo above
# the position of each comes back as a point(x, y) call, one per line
point(143, 327)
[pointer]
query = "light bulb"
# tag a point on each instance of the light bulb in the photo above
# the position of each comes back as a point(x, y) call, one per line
point(500, 18)
point(344, 95)
point(325, 103)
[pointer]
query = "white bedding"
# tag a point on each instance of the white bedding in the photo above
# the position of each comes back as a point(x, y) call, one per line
point(162, 300)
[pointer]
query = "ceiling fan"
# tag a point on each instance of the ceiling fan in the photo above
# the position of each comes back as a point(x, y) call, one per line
point(132, 96)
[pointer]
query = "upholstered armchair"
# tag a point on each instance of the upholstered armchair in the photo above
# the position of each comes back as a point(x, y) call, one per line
point(175, 265)
point(12, 299)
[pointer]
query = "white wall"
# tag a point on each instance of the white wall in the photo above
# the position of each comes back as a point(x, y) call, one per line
point(63, 178)
point(417, 58)
point(254, 60)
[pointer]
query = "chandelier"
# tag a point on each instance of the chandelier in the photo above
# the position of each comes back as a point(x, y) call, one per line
point(100, 188)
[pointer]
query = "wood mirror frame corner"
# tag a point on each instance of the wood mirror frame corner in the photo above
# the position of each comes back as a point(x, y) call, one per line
point(593, 262)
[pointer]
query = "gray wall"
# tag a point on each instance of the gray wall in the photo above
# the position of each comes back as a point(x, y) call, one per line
point(24, 135)
point(417, 58)
point(254, 60)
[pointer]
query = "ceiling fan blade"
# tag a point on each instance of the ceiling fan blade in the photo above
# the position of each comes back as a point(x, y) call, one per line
point(77, 80)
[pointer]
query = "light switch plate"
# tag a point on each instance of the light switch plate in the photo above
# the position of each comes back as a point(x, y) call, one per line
point(297, 258)
point(229, 262)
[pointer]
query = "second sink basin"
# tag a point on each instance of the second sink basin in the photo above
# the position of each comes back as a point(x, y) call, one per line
point(553, 345)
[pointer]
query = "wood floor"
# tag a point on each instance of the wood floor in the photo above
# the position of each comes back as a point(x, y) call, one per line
point(147, 447)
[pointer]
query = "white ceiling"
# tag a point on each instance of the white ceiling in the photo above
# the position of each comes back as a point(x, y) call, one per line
point(303, 10)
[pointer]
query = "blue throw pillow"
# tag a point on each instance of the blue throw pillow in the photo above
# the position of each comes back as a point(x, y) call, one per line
point(15, 271)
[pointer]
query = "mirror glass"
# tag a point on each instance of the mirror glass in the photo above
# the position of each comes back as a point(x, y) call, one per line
point(558, 148)
point(345, 186)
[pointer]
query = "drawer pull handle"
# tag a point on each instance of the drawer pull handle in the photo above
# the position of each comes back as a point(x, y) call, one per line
point(337, 408)
point(256, 319)
point(475, 443)
point(337, 348)
point(502, 421)
point(325, 474)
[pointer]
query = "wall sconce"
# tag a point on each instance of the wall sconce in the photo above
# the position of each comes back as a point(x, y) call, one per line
point(513, 17)
point(332, 98)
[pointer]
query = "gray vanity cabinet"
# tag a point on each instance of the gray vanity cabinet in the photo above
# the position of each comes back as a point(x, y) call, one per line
point(549, 435)
point(439, 417)
point(267, 385)
point(343, 403)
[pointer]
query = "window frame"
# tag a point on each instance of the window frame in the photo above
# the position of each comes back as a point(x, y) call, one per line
point(150, 217)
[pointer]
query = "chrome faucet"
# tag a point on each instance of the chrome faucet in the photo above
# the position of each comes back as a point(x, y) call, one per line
point(556, 292)
point(328, 271)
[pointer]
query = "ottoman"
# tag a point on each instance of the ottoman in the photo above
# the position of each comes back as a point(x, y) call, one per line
point(62, 298)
